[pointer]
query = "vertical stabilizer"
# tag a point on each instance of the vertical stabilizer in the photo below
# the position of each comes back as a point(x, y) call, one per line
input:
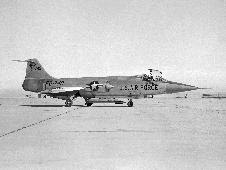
point(35, 70)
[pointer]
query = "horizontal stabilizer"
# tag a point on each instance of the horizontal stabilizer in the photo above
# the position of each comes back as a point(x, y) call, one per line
point(20, 60)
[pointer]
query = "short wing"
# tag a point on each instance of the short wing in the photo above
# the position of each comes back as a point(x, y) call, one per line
point(62, 91)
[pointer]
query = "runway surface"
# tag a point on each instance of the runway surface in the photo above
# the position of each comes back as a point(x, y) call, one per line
point(159, 133)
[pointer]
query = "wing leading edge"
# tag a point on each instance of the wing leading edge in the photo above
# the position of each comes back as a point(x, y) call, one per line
point(62, 90)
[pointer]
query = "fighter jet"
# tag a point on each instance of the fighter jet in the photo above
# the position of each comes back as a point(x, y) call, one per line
point(98, 89)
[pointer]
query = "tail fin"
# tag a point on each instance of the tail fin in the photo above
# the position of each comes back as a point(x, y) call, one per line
point(35, 70)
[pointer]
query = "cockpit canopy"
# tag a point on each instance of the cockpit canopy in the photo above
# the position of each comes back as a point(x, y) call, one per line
point(154, 75)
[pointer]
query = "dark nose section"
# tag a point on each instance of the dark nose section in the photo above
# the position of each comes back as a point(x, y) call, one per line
point(174, 87)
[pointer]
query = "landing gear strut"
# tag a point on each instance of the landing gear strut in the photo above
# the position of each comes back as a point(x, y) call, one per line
point(68, 103)
point(88, 104)
point(130, 103)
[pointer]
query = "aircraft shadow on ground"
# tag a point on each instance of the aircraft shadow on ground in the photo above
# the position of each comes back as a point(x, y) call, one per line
point(34, 105)
point(109, 106)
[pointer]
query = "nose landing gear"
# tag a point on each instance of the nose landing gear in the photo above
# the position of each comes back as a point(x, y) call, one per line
point(130, 103)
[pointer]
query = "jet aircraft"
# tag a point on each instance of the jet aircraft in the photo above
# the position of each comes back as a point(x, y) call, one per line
point(98, 89)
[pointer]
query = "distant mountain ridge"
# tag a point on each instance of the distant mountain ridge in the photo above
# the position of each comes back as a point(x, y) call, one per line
point(5, 93)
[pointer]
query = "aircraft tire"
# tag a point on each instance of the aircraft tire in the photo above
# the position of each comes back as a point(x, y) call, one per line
point(130, 103)
point(68, 103)
point(89, 104)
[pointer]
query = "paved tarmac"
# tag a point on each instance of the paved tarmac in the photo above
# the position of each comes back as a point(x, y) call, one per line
point(159, 133)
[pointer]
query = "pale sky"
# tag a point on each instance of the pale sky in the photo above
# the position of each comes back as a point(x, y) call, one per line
point(185, 39)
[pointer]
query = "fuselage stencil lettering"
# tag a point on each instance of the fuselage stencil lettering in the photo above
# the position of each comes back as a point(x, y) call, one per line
point(146, 87)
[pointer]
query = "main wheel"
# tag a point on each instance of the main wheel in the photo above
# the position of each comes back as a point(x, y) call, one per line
point(89, 104)
point(68, 103)
point(130, 103)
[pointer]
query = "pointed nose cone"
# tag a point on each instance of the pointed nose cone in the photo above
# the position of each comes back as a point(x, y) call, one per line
point(174, 87)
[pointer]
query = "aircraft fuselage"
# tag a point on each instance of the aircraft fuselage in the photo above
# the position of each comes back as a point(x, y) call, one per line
point(122, 86)
point(39, 81)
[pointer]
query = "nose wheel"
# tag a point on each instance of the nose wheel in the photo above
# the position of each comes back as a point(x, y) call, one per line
point(130, 103)
point(68, 103)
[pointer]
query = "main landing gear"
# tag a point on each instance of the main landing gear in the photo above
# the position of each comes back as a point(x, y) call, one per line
point(68, 103)
point(130, 103)
point(88, 104)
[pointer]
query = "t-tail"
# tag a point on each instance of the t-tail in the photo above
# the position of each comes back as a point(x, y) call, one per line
point(35, 76)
